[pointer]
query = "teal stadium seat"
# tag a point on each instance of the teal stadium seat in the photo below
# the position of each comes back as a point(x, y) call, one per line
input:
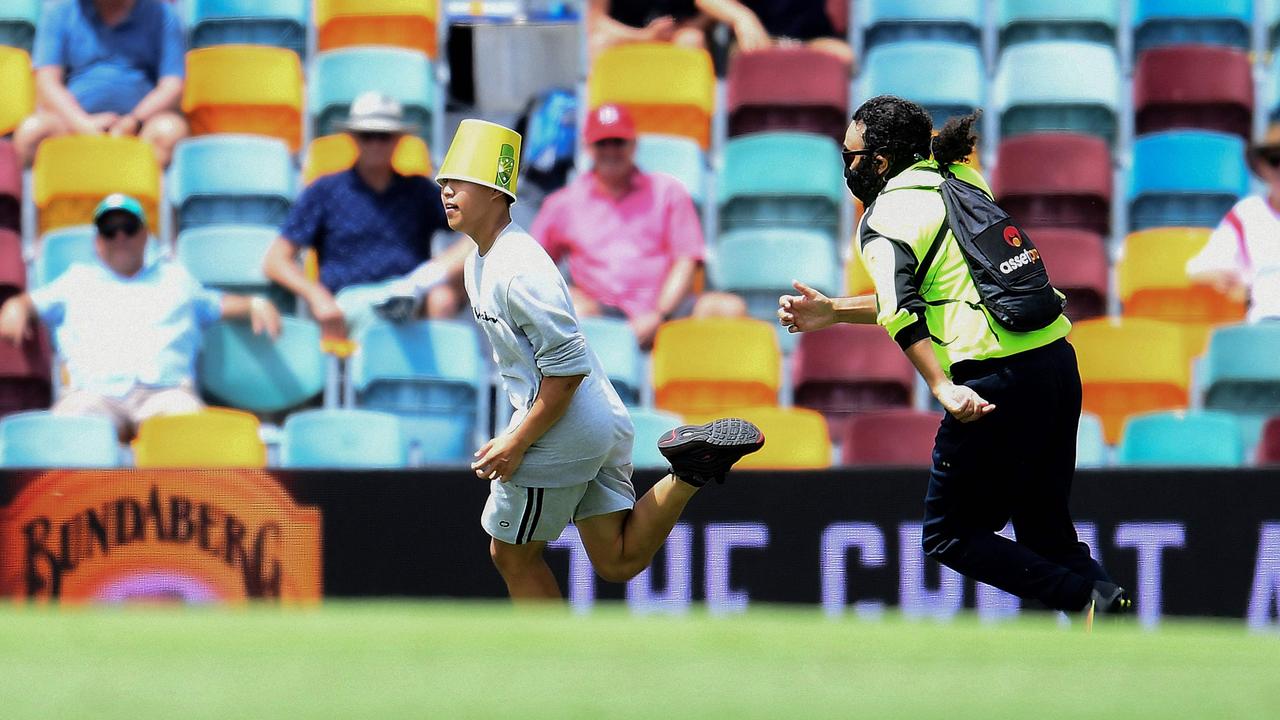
point(337, 77)
point(679, 157)
point(1185, 178)
point(252, 372)
point(245, 179)
point(651, 425)
point(279, 23)
point(909, 69)
point(1186, 22)
point(229, 257)
point(615, 344)
point(343, 439)
point(1199, 439)
point(40, 439)
point(890, 21)
point(59, 249)
point(18, 19)
point(430, 374)
point(1034, 92)
point(1022, 21)
point(1271, 97)
point(1241, 374)
point(782, 179)
point(1269, 11)
point(1091, 445)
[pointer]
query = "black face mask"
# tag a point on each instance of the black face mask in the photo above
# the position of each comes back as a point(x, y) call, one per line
point(864, 182)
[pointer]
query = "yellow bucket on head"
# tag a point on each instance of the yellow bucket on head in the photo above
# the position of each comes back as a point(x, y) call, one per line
point(483, 153)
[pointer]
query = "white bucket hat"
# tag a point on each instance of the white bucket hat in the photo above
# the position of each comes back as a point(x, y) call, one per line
point(376, 112)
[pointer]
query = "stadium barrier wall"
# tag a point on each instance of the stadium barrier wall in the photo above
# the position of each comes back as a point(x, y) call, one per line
point(1204, 543)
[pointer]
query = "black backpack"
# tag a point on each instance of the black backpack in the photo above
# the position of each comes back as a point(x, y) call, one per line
point(1005, 265)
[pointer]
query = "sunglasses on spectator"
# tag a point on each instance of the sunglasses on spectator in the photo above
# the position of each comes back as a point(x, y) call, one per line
point(1269, 156)
point(375, 136)
point(129, 225)
point(610, 143)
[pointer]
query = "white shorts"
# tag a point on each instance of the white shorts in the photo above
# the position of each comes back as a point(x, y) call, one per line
point(516, 514)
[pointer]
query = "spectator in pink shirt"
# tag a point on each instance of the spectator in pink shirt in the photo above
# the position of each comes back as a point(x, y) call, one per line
point(632, 238)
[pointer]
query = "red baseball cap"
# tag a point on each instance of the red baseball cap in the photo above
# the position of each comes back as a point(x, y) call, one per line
point(609, 122)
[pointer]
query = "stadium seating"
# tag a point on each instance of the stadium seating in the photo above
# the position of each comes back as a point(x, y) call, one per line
point(1072, 191)
point(13, 267)
point(342, 439)
point(679, 157)
point(787, 88)
point(1194, 86)
point(229, 257)
point(335, 153)
point(1021, 21)
point(25, 374)
point(669, 90)
point(60, 248)
point(17, 88)
point(1269, 448)
point(251, 89)
point(703, 366)
point(795, 439)
point(278, 23)
point(10, 188)
point(39, 439)
point(847, 369)
point(894, 21)
point(211, 438)
point(759, 265)
point(72, 174)
point(403, 23)
point(1032, 93)
point(910, 69)
point(856, 279)
point(428, 373)
point(1130, 366)
point(1185, 178)
point(1181, 22)
point(614, 342)
point(231, 179)
point(649, 426)
point(253, 372)
point(1241, 371)
point(1077, 265)
point(1196, 439)
point(890, 437)
point(337, 77)
point(1091, 446)
point(780, 179)
point(18, 20)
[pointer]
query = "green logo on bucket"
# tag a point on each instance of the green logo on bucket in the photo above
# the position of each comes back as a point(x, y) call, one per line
point(506, 165)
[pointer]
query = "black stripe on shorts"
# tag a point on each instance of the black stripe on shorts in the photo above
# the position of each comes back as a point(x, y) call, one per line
point(528, 510)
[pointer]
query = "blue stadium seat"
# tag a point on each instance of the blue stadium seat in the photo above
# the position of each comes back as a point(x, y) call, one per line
point(679, 157)
point(1271, 96)
point(1185, 178)
point(280, 23)
point(1033, 92)
point(342, 439)
point(58, 249)
point(1241, 374)
point(1091, 445)
point(1203, 439)
point(229, 257)
point(18, 20)
point(651, 425)
point(41, 439)
point(615, 344)
point(252, 372)
point(909, 70)
point(430, 374)
point(1032, 20)
point(231, 179)
point(781, 179)
point(337, 77)
point(1181, 22)
point(890, 21)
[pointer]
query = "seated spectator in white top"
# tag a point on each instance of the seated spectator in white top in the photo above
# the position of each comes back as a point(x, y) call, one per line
point(128, 329)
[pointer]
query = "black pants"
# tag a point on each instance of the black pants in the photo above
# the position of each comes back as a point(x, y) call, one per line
point(1014, 464)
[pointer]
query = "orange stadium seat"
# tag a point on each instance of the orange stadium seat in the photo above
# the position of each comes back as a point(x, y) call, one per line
point(249, 89)
point(214, 437)
point(72, 174)
point(703, 366)
point(795, 439)
point(17, 88)
point(403, 23)
point(670, 90)
point(1130, 366)
point(335, 153)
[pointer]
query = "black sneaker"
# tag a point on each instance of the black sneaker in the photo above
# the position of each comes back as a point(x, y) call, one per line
point(1110, 599)
point(699, 453)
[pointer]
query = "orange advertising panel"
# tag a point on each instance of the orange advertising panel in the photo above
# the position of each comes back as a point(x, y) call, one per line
point(186, 535)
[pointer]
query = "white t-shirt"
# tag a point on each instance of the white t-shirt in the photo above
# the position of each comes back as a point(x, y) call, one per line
point(1247, 244)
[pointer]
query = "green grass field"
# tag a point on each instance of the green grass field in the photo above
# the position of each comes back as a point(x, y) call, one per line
point(425, 660)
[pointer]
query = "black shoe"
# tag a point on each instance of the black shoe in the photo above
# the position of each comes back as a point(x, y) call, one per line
point(397, 308)
point(699, 453)
point(1110, 599)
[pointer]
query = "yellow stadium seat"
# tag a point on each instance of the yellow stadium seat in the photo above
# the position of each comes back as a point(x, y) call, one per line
point(72, 174)
point(703, 366)
point(857, 279)
point(402, 23)
point(794, 438)
point(250, 89)
point(1130, 366)
point(334, 153)
point(669, 90)
point(17, 88)
point(214, 437)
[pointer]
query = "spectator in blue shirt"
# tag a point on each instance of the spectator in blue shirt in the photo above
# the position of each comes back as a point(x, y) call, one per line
point(111, 67)
point(370, 227)
point(128, 329)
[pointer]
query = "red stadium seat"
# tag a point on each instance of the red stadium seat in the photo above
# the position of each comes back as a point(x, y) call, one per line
point(10, 187)
point(788, 88)
point(1077, 264)
point(890, 437)
point(1055, 180)
point(1269, 448)
point(838, 11)
point(848, 369)
point(13, 269)
point(1193, 86)
point(25, 375)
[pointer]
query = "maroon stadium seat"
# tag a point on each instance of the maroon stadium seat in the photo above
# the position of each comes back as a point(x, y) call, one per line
point(838, 11)
point(10, 188)
point(788, 88)
point(1077, 264)
point(25, 375)
point(1193, 86)
point(1055, 180)
point(1269, 448)
point(13, 270)
point(890, 437)
point(848, 369)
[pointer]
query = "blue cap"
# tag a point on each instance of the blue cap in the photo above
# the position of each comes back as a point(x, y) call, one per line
point(120, 201)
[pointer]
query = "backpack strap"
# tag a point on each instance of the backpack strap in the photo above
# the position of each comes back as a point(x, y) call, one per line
point(923, 269)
